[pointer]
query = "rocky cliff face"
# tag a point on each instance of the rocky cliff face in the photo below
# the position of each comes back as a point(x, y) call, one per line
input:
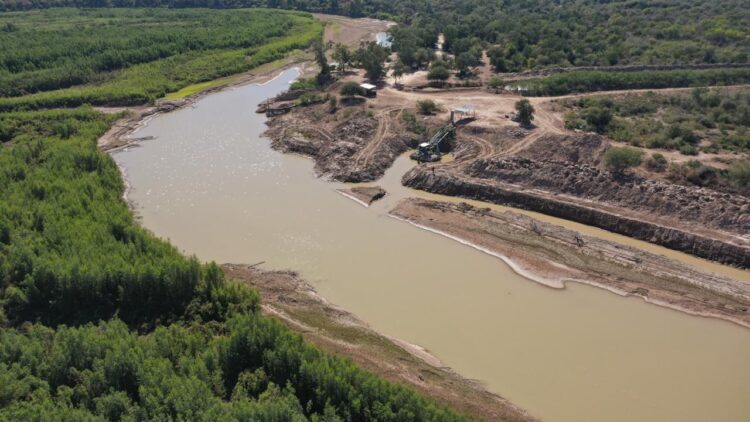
point(723, 251)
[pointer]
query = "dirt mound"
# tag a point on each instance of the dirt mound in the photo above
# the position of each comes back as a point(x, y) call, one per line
point(351, 145)
point(714, 209)
point(365, 195)
point(578, 148)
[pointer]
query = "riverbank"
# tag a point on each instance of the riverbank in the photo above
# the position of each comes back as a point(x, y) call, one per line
point(118, 136)
point(553, 255)
point(293, 300)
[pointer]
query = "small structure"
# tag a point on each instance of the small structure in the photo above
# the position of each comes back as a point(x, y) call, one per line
point(463, 114)
point(369, 90)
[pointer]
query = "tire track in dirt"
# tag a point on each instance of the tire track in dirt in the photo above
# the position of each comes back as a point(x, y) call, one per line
point(362, 159)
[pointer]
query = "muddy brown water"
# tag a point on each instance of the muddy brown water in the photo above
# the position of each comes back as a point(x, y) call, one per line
point(212, 185)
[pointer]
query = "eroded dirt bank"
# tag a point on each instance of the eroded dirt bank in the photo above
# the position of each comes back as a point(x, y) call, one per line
point(561, 175)
point(552, 254)
point(295, 302)
point(351, 145)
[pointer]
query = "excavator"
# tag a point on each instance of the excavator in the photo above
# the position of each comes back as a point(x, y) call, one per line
point(430, 151)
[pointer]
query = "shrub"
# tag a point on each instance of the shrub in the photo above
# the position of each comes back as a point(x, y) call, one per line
point(657, 162)
point(351, 89)
point(598, 118)
point(688, 150)
point(619, 159)
point(496, 83)
point(304, 83)
point(738, 173)
point(427, 107)
point(411, 122)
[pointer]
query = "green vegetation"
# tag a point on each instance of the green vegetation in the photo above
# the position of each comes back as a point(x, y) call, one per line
point(196, 88)
point(496, 84)
point(438, 72)
point(412, 123)
point(351, 89)
point(69, 57)
point(524, 112)
point(371, 57)
point(739, 173)
point(427, 107)
point(99, 319)
point(528, 34)
point(343, 56)
point(304, 83)
point(657, 162)
point(398, 69)
point(178, 341)
point(619, 159)
point(588, 81)
point(708, 120)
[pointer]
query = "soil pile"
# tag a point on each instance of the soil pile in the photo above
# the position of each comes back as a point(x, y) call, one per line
point(350, 145)
point(365, 195)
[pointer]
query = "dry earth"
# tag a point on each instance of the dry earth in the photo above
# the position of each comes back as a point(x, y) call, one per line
point(364, 195)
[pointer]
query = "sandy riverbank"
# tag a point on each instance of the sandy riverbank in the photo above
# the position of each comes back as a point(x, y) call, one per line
point(553, 255)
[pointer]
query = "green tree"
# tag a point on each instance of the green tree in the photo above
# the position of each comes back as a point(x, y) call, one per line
point(465, 63)
point(438, 73)
point(324, 75)
point(342, 55)
point(372, 57)
point(497, 59)
point(619, 159)
point(525, 112)
point(398, 69)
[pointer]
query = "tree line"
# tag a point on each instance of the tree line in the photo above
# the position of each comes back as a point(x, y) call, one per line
point(529, 34)
point(71, 57)
point(101, 320)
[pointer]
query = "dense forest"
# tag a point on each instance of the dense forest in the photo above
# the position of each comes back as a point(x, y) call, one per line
point(99, 319)
point(590, 81)
point(533, 34)
point(71, 57)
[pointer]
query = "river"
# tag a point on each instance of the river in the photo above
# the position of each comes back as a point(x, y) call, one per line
point(210, 183)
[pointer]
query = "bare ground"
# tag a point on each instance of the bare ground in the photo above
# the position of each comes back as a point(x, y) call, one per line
point(364, 195)
point(291, 299)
